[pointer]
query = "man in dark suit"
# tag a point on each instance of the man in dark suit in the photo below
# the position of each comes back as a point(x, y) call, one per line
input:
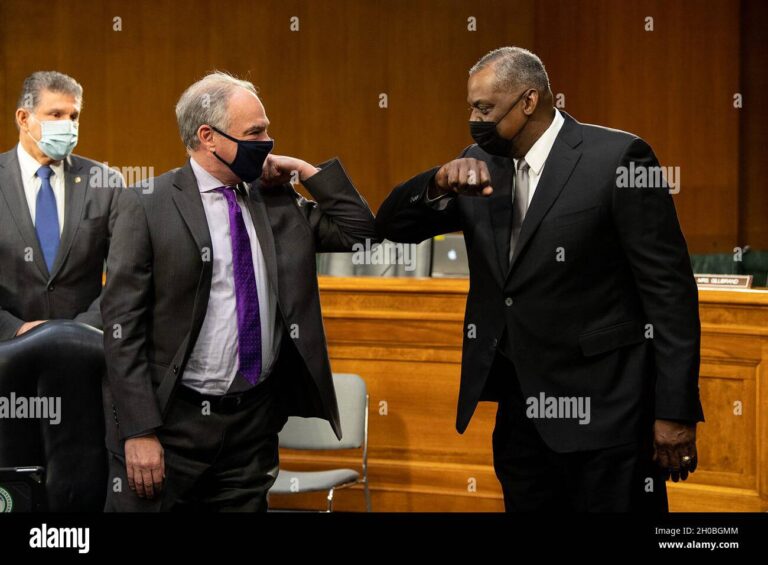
point(582, 315)
point(214, 334)
point(56, 213)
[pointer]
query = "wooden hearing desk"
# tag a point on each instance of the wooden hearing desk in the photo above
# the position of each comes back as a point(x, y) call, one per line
point(403, 336)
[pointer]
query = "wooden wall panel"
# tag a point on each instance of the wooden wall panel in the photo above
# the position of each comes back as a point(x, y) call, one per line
point(733, 442)
point(673, 86)
point(753, 201)
point(404, 338)
point(320, 85)
point(725, 382)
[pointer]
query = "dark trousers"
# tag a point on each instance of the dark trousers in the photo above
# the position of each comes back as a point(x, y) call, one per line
point(220, 455)
point(533, 477)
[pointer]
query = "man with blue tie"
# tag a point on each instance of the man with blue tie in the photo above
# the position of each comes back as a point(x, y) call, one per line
point(213, 332)
point(56, 213)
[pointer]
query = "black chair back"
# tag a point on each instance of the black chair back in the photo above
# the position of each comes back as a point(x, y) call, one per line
point(56, 369)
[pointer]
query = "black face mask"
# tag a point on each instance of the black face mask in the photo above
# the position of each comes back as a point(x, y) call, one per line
point(487, 136)
point(249, 158)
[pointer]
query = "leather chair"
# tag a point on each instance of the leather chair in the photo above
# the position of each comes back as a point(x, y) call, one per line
point(59, 359)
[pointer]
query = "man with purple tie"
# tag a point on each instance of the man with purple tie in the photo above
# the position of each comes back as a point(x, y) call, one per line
point(212, 323)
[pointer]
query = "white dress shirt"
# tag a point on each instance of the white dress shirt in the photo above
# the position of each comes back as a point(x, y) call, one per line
point(32, 183)
point(539, 151)
point(214, 362)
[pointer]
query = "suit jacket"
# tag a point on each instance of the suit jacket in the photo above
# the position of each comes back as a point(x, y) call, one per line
point(598, 302)
point(72, 289)
point(158, 286)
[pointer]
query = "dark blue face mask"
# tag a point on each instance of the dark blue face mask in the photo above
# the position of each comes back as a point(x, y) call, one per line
point(249, 158)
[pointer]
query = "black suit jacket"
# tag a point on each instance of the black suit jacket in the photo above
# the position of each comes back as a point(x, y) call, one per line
point(598, 302)
point(72, 289)
point(158, 285)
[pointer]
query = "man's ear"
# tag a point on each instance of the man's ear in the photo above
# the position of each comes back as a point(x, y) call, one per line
point(531, 102)
point(22, 118)
point(205, 136)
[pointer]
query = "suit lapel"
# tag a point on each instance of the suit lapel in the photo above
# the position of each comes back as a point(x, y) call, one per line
point(500, 209)
point(190, 205)
point(557, 170)
point(75, 189)
point(12, 189)
point(263, 228)
point(188, 201)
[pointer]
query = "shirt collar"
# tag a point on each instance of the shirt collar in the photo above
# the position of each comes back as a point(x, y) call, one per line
point(29, 165)
point(206, 182)
point(538, 153)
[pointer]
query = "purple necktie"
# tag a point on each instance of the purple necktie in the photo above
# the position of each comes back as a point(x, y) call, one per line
point(246, 293)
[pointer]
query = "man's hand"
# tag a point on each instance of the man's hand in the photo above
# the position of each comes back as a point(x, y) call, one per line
point(26, 326)
point(145, 465)
point(673, 442)
point(466, 176)
point(278, 170)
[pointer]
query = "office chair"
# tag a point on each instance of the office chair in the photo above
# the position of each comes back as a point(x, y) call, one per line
point(62, 360)
point(316, 434)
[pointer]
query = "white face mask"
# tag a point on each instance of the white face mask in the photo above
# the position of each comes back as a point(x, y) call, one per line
point(58, 138)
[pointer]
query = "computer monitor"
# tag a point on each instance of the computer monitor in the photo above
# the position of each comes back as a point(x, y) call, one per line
point(449, 256)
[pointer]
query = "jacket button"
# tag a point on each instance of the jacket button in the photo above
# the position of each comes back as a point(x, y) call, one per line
point(50, 288)
point(495, 342)
point(175, 369)
point(509, 301)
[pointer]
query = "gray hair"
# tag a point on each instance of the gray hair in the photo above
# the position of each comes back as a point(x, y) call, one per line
point(54, 81)
point(206, 103)
point(515, 67)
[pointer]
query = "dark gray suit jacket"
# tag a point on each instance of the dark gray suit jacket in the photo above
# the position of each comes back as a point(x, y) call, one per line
point(71, 291)
point(159, 282)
